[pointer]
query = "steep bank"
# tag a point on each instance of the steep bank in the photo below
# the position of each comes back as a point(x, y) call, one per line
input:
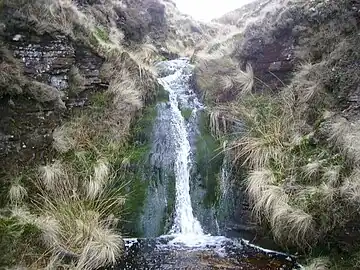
point(283, 89)
point(77, 91)
point(181, 204)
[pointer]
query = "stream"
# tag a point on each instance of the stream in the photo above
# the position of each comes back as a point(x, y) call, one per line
point(183, 222)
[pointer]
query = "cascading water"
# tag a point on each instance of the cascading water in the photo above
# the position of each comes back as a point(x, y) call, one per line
point(184, 222)
point(174, 216)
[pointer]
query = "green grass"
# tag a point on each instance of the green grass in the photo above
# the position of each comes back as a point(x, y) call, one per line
point(94, 145)
point(294, 178)
point(99, 102)
point(142, 129)
point(170, 207)
point(135, 156)
point(114, 137)
point(102, 34)
point(19, 242)
point(298, 147)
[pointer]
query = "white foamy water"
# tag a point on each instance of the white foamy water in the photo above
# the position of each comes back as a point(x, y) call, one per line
point(185, 227)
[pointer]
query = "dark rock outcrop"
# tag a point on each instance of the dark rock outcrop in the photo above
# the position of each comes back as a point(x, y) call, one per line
point(26, 123)
point(282, 36)
point(49, 58)
point(272, 63)
point(146, 17)
point(39, 95)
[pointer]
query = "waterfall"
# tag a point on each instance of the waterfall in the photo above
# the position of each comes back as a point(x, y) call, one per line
point(175, 84)
point(181, 231)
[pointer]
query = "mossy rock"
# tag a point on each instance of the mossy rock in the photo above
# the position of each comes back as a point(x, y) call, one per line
point(209, 161)
point(186, 113)
point(161, 94)
point(134, 204)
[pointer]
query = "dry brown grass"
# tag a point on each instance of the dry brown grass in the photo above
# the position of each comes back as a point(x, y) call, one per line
point(75, 218)
point(77, 134)
point(321, 263)
point(271, 202)
point(350, 188)
point(245, 79)
point(45, 93)
point(343, 135)
point(211, 80)
point(17, 193)
point(288, 176)
point(268, 131)
point(76, 207)
point(49, 15)
point(300, 143)
point(63, 140)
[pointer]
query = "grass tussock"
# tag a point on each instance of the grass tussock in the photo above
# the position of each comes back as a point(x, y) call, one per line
point(225, 84)
point(321, 263)
point(17, 193)
point(299, 149)
point(83, 202)
point(98, 26)
point(79, 194)
point(74, 212)
point(296, 182)
point(75, 203)
point(11, 81)
point(77, 81)
point(344, 135)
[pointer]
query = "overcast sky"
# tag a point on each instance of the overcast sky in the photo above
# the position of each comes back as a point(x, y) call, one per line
point(206, 10)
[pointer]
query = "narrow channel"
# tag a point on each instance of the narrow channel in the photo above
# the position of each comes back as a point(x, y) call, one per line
point(175, 238)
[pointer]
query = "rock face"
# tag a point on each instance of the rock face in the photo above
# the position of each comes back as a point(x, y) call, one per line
point(149, 21)
point(271, 62)
point(48, 59)
point(27, 120)
point(26, 124)
point(282, 36)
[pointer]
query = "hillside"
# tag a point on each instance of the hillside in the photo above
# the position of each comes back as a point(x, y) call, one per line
point(283, 92)
point(77, 92)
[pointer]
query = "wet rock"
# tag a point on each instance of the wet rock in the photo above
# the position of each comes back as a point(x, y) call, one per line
point(157, 254)
point(167, 54)
point(89, 65)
